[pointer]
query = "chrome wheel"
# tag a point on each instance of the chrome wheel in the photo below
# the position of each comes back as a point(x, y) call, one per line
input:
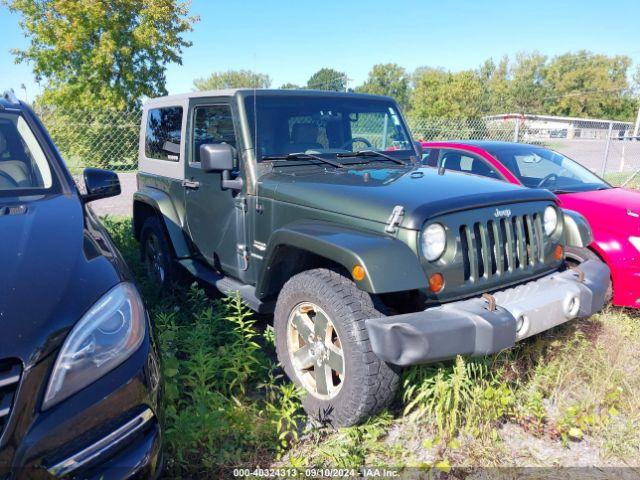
point(154, 259)
point(315, 350)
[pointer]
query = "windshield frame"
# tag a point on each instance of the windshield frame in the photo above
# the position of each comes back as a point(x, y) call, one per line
point(247, 103)
point(61, 180)
point(511, 150)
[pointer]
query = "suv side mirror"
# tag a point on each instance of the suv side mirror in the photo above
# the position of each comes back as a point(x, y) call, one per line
point(100, 184)
point(216, 157)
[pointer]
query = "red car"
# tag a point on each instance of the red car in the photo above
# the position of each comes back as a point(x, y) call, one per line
point(614, 213)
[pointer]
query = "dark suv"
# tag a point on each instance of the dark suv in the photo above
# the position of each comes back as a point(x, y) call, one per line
point(79, 375)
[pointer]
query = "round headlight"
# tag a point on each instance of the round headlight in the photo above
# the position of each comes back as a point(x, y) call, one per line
point(434, 241)
point(550, 220)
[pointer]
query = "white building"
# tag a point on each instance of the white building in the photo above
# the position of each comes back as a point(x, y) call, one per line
point(549, 126)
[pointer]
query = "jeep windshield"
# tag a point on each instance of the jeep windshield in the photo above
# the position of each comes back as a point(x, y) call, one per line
point(327, 126)
point(24, 169)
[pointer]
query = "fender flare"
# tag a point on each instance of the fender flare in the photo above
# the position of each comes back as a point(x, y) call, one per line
point(389, 264)
point(577, 231)
point(161, 203)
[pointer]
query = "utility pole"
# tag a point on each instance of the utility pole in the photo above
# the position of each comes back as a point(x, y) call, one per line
point(636, 130)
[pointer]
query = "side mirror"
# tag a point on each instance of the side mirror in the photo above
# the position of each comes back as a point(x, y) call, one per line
point(216, 157)
point(100, 184)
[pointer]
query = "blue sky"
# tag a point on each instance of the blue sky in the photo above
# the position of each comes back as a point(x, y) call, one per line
point(290, 40)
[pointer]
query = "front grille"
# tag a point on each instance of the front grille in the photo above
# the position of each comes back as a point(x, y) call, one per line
point(10, 371)
point(501, 246)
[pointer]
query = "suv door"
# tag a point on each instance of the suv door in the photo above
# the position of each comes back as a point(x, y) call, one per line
point(215, 216)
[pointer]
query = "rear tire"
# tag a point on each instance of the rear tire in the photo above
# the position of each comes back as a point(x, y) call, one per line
point(574, 256)
point(323, 344)
point(156, 254)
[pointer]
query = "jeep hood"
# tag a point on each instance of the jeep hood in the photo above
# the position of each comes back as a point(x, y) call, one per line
point(372, 193)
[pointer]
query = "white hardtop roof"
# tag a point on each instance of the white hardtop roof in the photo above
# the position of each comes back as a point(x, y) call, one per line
point(183, 97)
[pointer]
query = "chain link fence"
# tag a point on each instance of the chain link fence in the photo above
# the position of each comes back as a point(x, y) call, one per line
point(109, 138)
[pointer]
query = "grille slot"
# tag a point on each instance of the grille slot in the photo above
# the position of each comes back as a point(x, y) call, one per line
point(501, 246)
point(10, 372)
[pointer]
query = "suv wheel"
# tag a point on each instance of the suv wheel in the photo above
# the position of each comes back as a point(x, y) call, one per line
point(323, 345)
point(576, 255)
point(156, 253)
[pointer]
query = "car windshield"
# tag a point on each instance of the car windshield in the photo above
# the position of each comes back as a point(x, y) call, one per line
point(23, 164)
point(326, 126)
point(538, 167)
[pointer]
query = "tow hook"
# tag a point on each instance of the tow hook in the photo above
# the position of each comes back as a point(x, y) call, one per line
point(579, 272)
point(491, 301)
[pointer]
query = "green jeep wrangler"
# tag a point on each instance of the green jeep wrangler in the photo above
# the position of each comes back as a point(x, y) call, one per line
point(315, 208)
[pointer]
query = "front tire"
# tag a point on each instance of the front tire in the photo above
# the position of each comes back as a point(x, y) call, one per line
point(156, 254)
point(574, 256)
point(323, 345)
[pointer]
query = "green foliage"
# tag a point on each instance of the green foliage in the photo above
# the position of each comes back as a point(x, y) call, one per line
point(328, 79)
point(290, 86)
point(388, 79)
point(225, 402)
point(465, 395)
point(580, 84)
point(101, 54)
point(233, 79)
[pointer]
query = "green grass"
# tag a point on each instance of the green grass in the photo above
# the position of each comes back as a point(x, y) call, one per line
point(227, 403)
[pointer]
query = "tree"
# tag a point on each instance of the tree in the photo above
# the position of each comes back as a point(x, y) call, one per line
point(328, 79)
point(442, 94)
point(290, 86)
point(586, 84)
point(110, 54)
point(388, 79)
point(233, 79)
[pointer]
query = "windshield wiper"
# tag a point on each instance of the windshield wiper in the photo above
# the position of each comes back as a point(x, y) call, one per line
point(370, 153)
point(303, 156)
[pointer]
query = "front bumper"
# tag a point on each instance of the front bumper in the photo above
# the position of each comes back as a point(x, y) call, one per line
point(471, 327)
point(110, 429)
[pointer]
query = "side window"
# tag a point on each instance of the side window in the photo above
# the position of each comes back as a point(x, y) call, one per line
point(164, 131)
point(212, 124)
point(467, 163)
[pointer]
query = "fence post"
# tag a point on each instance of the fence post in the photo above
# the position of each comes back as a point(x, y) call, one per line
point(606, 150)
point(516, 131)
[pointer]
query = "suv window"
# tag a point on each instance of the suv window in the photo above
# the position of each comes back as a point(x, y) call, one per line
point(212, 124)
point(466, 162)
point(23, 164)
point(283, 124)
point(164, 130)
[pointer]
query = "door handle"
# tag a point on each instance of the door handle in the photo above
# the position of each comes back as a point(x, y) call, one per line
point(191, 184)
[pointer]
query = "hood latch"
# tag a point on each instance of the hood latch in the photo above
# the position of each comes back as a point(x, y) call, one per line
point(395, 219)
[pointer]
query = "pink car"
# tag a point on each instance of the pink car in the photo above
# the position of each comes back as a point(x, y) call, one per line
point(614, 213)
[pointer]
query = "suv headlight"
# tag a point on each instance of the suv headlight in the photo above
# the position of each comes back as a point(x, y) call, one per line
point(434, 241)
point(635, 241)
point(550, 220)
point(105, 336)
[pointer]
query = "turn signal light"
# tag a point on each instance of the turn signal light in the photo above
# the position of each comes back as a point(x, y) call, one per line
point(558, 253)
point(358, 273)
point(436, 282)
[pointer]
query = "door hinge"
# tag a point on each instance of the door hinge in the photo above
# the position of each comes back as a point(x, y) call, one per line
point(241, 203)
point(191, 184)
point(395, 219)
point(243, 257)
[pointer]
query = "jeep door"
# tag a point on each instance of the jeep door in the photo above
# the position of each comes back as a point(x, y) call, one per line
point(215, 216)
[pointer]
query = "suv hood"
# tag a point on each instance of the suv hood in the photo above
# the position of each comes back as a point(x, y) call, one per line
point(54, 267)
point(372, 193)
